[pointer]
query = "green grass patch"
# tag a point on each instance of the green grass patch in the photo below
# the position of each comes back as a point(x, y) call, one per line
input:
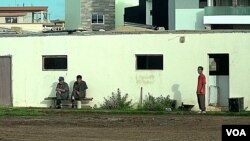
point(20, 112)
point(5, 111)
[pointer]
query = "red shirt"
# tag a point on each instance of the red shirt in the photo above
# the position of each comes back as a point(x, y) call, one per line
point(201, 89)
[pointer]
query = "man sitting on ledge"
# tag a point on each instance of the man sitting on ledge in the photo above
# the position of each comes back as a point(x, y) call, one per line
point(62, 92)
point(79, 90)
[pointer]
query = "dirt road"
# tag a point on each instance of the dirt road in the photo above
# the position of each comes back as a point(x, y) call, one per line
point(105, 127)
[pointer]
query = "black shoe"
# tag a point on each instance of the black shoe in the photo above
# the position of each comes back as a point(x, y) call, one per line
point(58, 107)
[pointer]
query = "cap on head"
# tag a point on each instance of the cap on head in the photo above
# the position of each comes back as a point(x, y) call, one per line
point(61, 78)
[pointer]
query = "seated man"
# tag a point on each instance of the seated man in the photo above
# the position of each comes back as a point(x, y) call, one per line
point(79, 90)
point(62, 92)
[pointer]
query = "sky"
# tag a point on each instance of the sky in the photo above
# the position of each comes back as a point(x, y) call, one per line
point(56, 7)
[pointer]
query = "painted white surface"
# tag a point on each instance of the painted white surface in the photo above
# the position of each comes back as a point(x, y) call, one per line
point(189, 19)
point(149, 20)
point(26, 27)
point(219, 89)
point(227, 19)
point(223, 84)
point(213, 91)
point(72, 14)
point(119, 10)
point(107, 62)
point(186, 4)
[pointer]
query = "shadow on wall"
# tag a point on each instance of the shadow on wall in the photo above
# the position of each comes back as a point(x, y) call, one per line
point(199, 21)
point(71, 84)
point(177, 94)
point(51, 94)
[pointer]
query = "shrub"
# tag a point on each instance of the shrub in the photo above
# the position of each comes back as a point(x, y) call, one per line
point(158, 103)
point(117, 101)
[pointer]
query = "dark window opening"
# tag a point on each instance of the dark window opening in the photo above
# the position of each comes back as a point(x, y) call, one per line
point(149, 62)
point(160, 13)
point(11, 19)
point(230, 26)
point(219, 64)
point(100, 19)
point(94, 18)
point(97, 18)
point(202, 3)
point(55, 63)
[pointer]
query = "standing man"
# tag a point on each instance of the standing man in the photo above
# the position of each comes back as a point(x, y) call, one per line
point(79, 90)
point(62, 92)
point(201, 90)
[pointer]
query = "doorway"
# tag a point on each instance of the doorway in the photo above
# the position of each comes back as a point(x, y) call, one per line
point(160, 13)
point(218, 79)
point(5, 81)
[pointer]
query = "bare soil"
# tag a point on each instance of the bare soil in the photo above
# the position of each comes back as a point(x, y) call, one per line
point(115, 127)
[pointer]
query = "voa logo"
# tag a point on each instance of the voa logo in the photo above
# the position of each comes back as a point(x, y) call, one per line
point(236, 132)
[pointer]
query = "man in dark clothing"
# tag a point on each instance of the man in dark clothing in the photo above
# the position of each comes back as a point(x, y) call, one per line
point(79, 90)
point(62, 92)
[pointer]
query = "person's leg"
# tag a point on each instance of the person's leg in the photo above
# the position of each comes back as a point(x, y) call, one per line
point(199, 102)
point(202, 101)
point(73, 99)
point(58, 100)
point(82, 95)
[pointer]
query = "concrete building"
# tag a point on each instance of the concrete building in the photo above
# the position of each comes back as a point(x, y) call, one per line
point(90, 15)
point(191, 14)
point(27, 18)
point(227, 14)
point(163, 63)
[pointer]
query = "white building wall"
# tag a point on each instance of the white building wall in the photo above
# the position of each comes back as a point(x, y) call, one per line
point(189, 19)
point(119, 10)
point(28, 18)
point(72, 14)
point(2, 20)
point(108, 62)
point(149, 20)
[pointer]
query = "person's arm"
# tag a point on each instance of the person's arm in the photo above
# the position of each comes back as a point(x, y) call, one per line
point(66, 88)
point(85, 86)
point(57, 88)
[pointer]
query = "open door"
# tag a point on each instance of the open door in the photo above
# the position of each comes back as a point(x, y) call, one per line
point(160, 13)
point(218, 80)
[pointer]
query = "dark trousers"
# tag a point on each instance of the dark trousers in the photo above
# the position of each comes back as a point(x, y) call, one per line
point(60, 97)
point(76, 96)
point(201, 101)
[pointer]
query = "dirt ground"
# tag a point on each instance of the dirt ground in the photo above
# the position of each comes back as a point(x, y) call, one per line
point(114, 127)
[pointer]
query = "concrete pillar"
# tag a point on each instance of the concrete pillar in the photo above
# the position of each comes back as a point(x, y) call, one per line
point(32, 17)
point(42, 17)
point(210, 2)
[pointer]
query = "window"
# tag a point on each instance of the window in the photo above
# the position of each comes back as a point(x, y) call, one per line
point(11, 19)
point(218, 64)
point(55, 62)
point(203, 3)
point(149, 62)
point(97, 18)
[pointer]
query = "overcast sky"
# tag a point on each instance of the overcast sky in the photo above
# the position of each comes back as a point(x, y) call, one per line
point(56, 7)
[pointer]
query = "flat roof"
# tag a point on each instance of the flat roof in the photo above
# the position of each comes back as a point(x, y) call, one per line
point(96, 33)
point(12, 14)
point(24, 9)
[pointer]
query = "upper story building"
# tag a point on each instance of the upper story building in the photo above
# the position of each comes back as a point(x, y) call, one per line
point(227, 14)
point(29, 18)
point(191, 14)
point(93, 15)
